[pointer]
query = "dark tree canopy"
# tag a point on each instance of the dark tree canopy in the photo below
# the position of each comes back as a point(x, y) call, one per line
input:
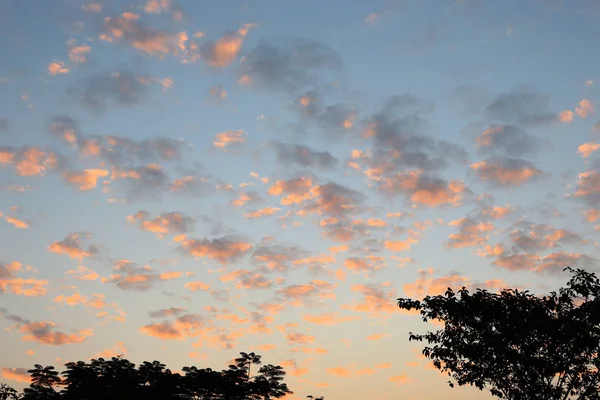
point(517, 345)
point(118, 379)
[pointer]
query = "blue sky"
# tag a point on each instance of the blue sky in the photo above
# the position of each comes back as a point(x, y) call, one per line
point(186, 180)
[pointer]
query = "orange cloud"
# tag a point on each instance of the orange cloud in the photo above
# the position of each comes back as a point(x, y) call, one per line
point(263, 212)
point(400, 379)
point(592, 215)
point(339, 371)
point(17, 223)
point(197, 285)
point(83, 273)
point(224, 250)
point(471, 233)
point(506, 171)
point(299, 338)
point(78, 52)
point(328, 319)
point(566, 116)
point(425, 190)
point(399, 245)
point(226, 49)
point(498, 212)
point(95, 301)
point(184, 326)
point(43, 333)
point(587, 149)
point(71, 246)
point(586, 107)
point(229, 138)
point(427, 285)
point(57, 67)
point(85, 180)
point(16, 374)
point(295, 190)
point(379, 336)
point(9, 282)
point(168, 223)
point(375, 301)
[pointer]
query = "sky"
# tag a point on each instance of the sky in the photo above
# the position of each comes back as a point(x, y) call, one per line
point(185, 180)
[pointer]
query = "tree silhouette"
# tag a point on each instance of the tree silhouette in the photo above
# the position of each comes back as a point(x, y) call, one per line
point(516, 344)
point(245, 361)
point(119, 379)
point(7, 392)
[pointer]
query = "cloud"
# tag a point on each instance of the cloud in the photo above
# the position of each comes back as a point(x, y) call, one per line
point(93, 301)
point(274, 257)
point(225, 50)
point(16, 374)
point(379, 336)
point(78, 53)
point(422, 189)
point(294, 191)
point(428, 285)
point(334, 200)
point(375, 300)
point(83, 273)
point(225, 250)
point(44, 332)
point(29, 161)
point(86, 179)
point(506, 171)
point(247, 280)
point(187, 325)
point(149, 181)
point(99, 90)
point(128, 276)
point(151, 41)
point(196, 285)
point(172, 223)
point(299, 338)
point(227, 139)
point(471, 233)
point(11, 283)
point(507, 140)
point(72, 246)
point(306, 294)
point(587, 149)
point(260, 213)
point(552, 263)
point(534, 238)
point(166, 312)
point(92, 7)
point(288, 65)
point(57, 67)
point(17, 223)
point(588, 187)
point(586, 107)
point(498, 212)
point(65, 128)
point(328, 318)
point(400, 379)
point(521, 107)
point(304, 156)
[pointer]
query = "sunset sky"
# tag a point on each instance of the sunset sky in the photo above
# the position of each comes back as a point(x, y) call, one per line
point(185, 180)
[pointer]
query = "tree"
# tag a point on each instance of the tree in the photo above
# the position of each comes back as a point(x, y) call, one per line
point(8, 393)
point(517, 345)
point(119, 379)
point(246, 360)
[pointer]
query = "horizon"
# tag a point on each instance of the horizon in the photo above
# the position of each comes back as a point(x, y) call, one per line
point(182, 181)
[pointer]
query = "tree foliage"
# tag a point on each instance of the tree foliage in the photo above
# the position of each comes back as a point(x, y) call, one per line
point(517, 345)
point(118, 378)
